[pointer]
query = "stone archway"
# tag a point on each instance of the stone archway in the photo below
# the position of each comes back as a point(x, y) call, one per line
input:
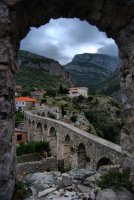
point(43, 114)
point(39, 132)
point(29, 124)
point(45, 132)
point(81, 156)
point(53, 141)
point(103, 162)
point(17, 16)
point(67, 153)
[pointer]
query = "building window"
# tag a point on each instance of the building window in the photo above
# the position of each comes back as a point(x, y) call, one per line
point(19, 137)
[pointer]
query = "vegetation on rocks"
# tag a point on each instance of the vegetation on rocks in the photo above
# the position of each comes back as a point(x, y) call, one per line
point(30, 78)
point(19, 117)
point(22, 190)
point(102, 112)
point(32, 147)
point(116, 180)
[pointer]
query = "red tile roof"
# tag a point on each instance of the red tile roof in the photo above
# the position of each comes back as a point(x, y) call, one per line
point(25, 99)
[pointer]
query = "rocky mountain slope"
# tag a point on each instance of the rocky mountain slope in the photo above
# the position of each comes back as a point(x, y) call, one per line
point(111, 85)
point(42, 73)
point(32, 60)
point(92, 69)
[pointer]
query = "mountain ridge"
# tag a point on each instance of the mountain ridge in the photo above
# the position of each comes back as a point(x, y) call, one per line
point(91, 69)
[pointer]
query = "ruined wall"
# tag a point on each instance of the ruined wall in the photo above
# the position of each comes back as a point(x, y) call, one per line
point(46, 164)
point(115, 17)
point(8, 65)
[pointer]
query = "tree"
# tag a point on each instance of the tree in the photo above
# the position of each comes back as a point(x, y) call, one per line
point(19, 117)
point(44, 100)
point(63, 111)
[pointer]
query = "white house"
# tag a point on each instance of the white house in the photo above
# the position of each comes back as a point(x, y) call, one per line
point(77, 91)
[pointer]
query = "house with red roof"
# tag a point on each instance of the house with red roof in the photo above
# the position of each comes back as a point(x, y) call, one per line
point(25, 103)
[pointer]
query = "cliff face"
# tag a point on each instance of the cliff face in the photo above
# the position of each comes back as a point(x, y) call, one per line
point(91, 69)
point(51, 66)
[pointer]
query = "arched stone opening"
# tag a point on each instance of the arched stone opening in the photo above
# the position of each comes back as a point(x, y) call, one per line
point(31, 129)
point(33, 125)
point(39, 132)
point(39, 126)
point(43, 114)
point(48, 114)
point(114, 17)
point(53, 141)
point(81, 156)
point(67, 153)
point(29, 124)
point(45, 132)
point(103, 162)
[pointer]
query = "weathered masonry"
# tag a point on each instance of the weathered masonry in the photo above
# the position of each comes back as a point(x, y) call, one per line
point(114, 17)
point(72, 147)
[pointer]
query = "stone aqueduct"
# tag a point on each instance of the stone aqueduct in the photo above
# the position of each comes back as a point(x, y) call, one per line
point(114, 17)
point(72, 147)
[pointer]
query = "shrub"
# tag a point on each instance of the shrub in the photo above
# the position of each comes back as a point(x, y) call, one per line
point(90, 115)
point(115, 180)
point(115, 104)
point(90, 98)
point(51, 92)
point(81, 98)
point(32, 147)
point(73, 118)
point(22, 190)
point(19, 117)
point(63, 111)
point(44, 100)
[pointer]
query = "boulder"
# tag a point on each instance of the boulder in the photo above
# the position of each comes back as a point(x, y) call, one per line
point(66, 179)
point(45, 192)
point(109, 194)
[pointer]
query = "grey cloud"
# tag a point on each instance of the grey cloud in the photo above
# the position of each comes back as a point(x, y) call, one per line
point(110, 49)
point(62, 38)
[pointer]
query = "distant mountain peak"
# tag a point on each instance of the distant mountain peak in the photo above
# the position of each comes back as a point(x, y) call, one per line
point(90, 69)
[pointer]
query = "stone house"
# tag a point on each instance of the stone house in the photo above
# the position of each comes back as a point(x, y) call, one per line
point(20, 136)
point(77, 91)
point(38, 94)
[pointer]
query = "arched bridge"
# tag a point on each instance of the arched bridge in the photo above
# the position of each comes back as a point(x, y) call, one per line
point(73, 147)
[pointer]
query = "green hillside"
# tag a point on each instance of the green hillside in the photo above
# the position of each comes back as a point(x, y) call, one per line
point(39, 72)
point(30, 78)
point(111, 85)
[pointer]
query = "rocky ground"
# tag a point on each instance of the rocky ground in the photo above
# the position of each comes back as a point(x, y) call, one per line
point(78, 184)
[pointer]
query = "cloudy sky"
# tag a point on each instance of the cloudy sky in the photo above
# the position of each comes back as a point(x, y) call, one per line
point(61, 39)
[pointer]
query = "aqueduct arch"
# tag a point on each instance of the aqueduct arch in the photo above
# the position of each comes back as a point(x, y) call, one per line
point(67, 153)
point(53, 141)
point(115, 17)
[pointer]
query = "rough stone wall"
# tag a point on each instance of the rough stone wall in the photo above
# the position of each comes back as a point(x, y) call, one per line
point(8, 65)
point(126, 44)
point(95, 147)
point(115, 17)
point(46, 164)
